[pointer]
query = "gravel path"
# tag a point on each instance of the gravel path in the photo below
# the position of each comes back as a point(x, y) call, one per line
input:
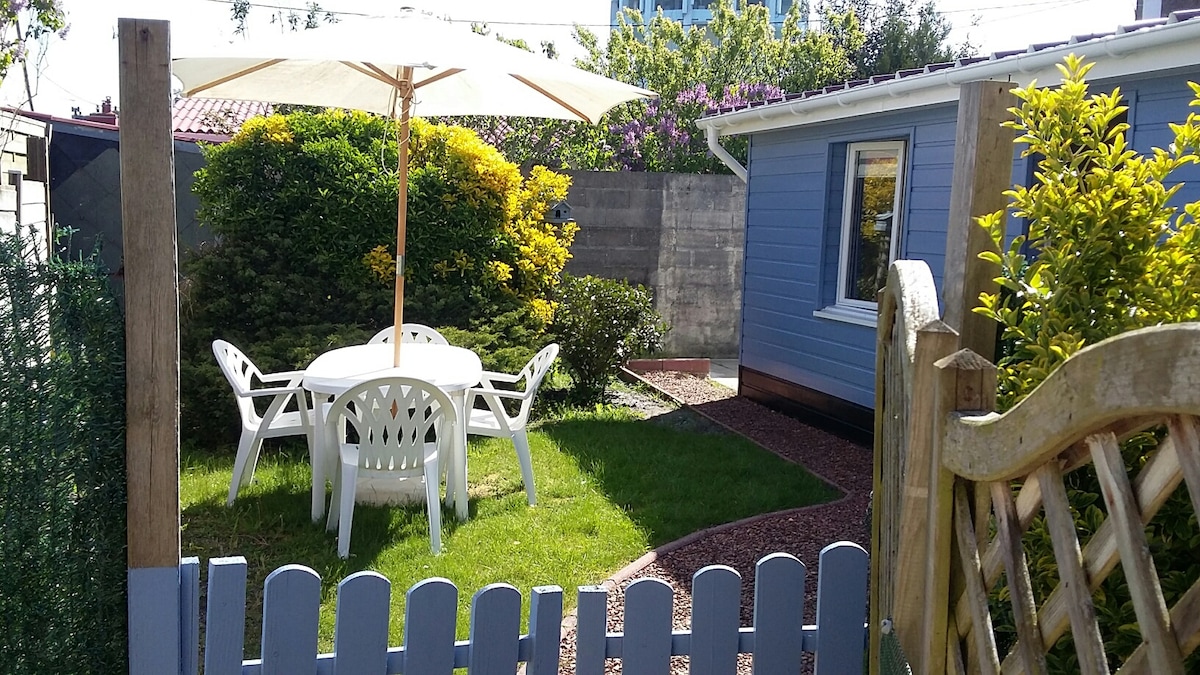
point(801, 532)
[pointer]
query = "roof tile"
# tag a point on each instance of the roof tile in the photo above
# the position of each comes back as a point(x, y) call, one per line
point(214, 115)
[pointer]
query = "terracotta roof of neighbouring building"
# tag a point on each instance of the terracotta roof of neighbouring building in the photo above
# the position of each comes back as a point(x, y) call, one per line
point(215, 116)
point(967, 69)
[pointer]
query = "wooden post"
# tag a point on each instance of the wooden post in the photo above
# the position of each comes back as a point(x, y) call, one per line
point(935, 340)
point(965, 382)
point(983, 163)
point(151, 345)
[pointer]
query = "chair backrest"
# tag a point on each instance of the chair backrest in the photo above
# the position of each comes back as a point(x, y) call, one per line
point(533, 373)
point(410, 332)
point(240, 371)
point(392, 417)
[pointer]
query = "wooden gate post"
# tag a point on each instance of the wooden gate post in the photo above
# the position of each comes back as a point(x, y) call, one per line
point(935, 340)
point(151, 346)
point(983, 163)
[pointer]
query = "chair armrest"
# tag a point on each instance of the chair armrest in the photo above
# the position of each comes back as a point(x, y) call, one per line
point(272, 391)
point(481, 391)
point(500, 377)
point(293, 377)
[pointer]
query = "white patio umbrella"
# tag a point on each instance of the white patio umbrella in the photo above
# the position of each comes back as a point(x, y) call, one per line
point(399, 66)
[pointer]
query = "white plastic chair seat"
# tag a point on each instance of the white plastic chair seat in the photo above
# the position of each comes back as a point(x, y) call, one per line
point(286, 424)
point(484, 423)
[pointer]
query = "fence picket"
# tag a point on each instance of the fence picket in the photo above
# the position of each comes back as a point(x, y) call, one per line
point(841, 607)
point(495, 630)
point(189, 609)
point(778, 614)
point(545, 630)
point(291, 601)
point(646, 647)
point(225, 616)
point(716, 615)
point(591, 630)
point(430, 616)
point(360, 637)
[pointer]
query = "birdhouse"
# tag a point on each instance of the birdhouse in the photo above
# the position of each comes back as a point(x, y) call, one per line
point(559, 213)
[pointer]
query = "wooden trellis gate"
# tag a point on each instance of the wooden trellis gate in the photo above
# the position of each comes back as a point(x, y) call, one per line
point(972, 482)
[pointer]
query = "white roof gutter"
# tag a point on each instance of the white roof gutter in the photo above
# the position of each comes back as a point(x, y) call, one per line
point(714, 144)
point(1136, 51)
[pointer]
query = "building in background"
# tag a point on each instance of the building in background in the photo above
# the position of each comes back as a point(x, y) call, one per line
point(696, 12)
point(1155, 9)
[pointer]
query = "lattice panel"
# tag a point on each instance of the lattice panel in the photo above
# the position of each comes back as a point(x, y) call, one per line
point(989, 522)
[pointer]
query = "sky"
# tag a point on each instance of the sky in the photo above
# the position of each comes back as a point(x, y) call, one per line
point(80, 70)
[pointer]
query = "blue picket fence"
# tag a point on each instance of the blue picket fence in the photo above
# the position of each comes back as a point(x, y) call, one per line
point(292, 597)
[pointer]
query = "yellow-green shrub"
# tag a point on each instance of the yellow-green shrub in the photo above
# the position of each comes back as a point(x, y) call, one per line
point(304, 209)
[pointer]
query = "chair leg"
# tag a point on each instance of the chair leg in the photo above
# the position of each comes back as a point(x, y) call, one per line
point(349, 476)
point(335, 509)
point(251, 462)
point(433, 505)
point(446, 462)
point(521, 443)
point(239, 465)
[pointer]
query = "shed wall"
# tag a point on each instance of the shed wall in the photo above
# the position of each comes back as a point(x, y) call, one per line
point(793, 218)
point(793, 233)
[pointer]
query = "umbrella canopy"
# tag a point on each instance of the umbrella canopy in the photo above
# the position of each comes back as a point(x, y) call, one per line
point(397, 67)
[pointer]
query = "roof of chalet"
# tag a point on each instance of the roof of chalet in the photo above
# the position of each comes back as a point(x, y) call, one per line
point(1144, 46)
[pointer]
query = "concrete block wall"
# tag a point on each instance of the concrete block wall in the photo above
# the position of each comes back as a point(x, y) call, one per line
point(681, 235)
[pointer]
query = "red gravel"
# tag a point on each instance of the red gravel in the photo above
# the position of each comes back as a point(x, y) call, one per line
point(802, 532)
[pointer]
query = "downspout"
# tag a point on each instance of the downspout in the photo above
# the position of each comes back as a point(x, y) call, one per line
point(714, 145)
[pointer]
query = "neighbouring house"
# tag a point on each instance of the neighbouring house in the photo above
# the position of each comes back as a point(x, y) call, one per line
point(85, 170)
point(843, 180)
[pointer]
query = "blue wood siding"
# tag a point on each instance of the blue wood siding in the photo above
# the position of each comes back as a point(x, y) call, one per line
point(793, 226)
point(1153, 105)
point(793, 236)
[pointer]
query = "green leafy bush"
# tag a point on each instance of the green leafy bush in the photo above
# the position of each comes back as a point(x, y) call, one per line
point(1108, 254)
point(599, 324)
point(303, 207)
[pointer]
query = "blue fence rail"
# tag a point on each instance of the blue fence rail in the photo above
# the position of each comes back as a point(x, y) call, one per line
point(292, 598)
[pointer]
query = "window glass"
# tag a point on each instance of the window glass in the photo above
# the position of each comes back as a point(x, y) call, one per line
point(668, 5)
point(870, 220)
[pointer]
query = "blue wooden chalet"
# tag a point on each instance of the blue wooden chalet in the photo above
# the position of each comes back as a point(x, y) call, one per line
point(843, 180)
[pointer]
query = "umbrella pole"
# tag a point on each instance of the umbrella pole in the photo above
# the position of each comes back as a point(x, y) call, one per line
point(401, 213)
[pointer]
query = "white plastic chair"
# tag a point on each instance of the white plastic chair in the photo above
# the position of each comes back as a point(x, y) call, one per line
point(410, 332)
point(241, 373)
point(495, 421)
point(390, 421)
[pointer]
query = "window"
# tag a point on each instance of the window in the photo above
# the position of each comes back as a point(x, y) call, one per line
point(670, 5)
point(870, 223)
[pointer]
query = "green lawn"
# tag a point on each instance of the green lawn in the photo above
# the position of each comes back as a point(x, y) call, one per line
point(610, 488)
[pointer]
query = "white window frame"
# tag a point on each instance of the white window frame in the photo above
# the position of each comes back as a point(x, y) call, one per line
point(853, 310)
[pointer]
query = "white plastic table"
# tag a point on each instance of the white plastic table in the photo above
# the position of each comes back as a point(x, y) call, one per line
point(452, 369)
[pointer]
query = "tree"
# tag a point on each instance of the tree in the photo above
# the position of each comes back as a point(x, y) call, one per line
point(24, 20)
point(901, 34)
point(312, 17)
point(740, 46)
